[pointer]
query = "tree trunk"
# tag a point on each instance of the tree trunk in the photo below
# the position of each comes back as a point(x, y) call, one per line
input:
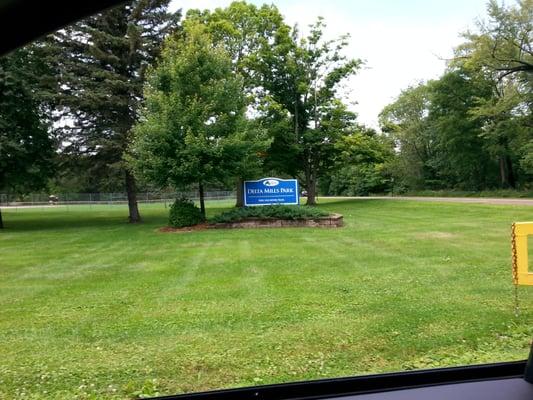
point(1, 220)
point(131, 190)
point(510, 172)
point(202, 200)
point(311, 193)
point(310, 186)
point(503, 175)
point(296, 122)
point(240, 193)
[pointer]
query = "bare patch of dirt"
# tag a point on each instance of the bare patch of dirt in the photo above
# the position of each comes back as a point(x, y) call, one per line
point(435, 235)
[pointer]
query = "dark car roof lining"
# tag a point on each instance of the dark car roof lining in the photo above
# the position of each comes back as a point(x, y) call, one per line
point(368, 384)
point(22, 21)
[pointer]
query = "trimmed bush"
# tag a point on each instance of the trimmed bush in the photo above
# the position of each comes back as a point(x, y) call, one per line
point(270, 212)
point(184, 213)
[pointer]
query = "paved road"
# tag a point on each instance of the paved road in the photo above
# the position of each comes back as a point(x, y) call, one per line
point(477, 200)
point(474, 200)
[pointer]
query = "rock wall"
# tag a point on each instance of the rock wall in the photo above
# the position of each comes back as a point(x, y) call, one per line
point(332, 221)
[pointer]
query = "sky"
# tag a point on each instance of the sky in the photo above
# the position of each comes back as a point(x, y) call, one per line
point(402, 42)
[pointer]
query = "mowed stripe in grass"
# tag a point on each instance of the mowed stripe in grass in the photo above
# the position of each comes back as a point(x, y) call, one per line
point(92, 307)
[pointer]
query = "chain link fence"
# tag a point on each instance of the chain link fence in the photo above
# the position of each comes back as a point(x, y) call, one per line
point(43, 199)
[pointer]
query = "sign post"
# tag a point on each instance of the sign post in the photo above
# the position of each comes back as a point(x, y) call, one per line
point(269, 191)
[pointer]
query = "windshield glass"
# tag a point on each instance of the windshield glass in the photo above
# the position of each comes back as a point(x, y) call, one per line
point(205, 195)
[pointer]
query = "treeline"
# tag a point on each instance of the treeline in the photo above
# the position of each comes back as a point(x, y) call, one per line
point(141, 97)
point(469, 130)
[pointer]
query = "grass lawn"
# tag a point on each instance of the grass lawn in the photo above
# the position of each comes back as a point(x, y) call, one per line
point(91, 307)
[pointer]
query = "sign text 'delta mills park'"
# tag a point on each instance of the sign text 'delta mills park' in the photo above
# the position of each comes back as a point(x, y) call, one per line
point(268, 191)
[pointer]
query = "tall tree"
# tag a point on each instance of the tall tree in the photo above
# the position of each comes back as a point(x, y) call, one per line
point(405, 121)
point(302, 78)
point(361, 164)
point(474, 124)
point(501, 49)
point(462, 159)
point(243, 30)
point(26, 149)
point(192, 126)
point(503, 43)
point(440, 142)
point(101, 63)
point(285, 76)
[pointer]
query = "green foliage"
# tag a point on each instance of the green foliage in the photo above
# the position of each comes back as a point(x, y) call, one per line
point(100, 63)
point(149, 388)
point(270, 212)
point(361, 165)
point(405, 121)
point(503, 43)
point(192, 127)
point(243, 30)
point(500, 48)
point(291, 82)
point(26, 148)
point(461, 158)
point(471, 128)
point(183, 213)
point(301, 78)
point(444, 142)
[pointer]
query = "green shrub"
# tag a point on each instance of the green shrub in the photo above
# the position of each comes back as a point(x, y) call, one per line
point(184, 213)
point(270, 212)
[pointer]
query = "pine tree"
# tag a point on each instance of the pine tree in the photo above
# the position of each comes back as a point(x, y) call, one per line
point(100, 64)
point(26, 149)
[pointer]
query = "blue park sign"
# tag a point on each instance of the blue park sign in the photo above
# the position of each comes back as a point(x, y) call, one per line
point(269, 191)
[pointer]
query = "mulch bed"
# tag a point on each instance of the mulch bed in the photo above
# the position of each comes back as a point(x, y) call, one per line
point(332, 221)
point(199, 227)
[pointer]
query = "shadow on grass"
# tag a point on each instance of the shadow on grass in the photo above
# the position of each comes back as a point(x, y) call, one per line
point(72, 220)
point(75, 221)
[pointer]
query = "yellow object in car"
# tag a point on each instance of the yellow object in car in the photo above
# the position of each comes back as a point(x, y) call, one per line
point(519, 238)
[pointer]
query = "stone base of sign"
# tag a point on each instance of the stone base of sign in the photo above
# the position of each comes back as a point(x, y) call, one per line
point(331, 221)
